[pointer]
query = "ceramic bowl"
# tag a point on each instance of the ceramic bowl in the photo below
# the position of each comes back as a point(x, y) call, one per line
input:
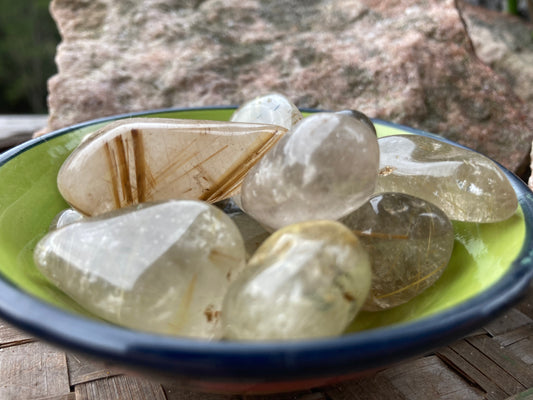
point(490, 269)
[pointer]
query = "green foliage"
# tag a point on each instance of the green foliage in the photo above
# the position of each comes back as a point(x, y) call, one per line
point(512, 7)
point(28, 40)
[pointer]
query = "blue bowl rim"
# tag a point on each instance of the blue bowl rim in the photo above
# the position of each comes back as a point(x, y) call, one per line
point(222, 361)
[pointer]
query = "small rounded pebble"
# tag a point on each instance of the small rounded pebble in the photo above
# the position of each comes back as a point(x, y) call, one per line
point(273, 108)
point(410, 242)
point(161, 267)
point(466, 185)
point(65, 217)
point(324, 168)
point(307, 280)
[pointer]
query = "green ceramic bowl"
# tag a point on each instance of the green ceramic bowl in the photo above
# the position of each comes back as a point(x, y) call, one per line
point(490, 268)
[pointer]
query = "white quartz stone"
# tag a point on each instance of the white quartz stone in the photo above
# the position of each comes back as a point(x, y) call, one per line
point(325, 167)
point(162, 267)
point(273, 108)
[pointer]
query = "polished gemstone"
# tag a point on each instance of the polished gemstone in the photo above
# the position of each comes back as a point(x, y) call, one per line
point(466, 185)
point(161, 267)
point(273, 108)
point(410, 242)
point(359, 116)
point(324, 168)
point(137, 160)
point(306, 280)
point(65, 217)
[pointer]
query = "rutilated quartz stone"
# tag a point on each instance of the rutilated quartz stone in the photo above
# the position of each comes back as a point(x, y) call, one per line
point(273, 108)
point(139, 160)
point(410, 242)
point(324, 168)
point(161, 267)
point(65, 217)
point(466, 185)
point(307, 280)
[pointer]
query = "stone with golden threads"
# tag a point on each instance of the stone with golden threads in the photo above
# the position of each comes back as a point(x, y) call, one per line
point(307, 280)
point(151, 159)
point(466, 185)
point(410, 242)
point(160, 267)
point(324, 168)
point(273, 108)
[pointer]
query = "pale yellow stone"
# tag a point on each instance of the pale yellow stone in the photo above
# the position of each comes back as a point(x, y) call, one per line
point(162, 267)
point(466, 185)
point(307, 280)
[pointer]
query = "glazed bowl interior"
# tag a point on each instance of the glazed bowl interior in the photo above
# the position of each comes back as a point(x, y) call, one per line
point(489, 269)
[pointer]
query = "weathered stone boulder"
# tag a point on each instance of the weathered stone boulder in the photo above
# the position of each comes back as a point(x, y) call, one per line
point(505, 43)
point(410, 62)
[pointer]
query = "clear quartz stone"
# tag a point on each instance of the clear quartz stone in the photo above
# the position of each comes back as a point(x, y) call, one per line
point(306, 280)
point(466, 185)
point(161, 267)
point(65, 217)
point(324, 168)
point(410, 242)
point(273, 108)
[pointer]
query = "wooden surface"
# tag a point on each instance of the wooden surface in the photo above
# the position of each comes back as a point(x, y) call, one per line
point(495, 362)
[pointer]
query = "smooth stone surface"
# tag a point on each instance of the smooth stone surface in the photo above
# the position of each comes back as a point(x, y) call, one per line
point(307, 280)
point(137, 160)
point(161, 267)
point(273, 108)
point(325, 167)
point(65, 217)
point(360, 117)
point(466, 185)
point(410, 242)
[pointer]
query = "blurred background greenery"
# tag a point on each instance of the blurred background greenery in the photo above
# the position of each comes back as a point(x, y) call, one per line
point(28, 40)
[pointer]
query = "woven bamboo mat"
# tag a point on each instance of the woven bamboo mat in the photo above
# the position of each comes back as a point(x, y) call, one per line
point(495, 362)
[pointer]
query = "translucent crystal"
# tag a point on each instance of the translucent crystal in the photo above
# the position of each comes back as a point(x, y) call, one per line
point(466, 185)
point(162, 267)
point(138, 160)
point(306, 280)
point(325, 167)
point(65, 217)
point(359, 116)
point(410, 242)
point(273, 108)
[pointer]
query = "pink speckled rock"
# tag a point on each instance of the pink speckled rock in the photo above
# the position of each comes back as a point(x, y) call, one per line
point(408, 62)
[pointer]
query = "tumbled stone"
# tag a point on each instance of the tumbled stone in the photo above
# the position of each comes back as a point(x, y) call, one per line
point(307, 280)
point(466, 185)
point(359, 116)
point(161, 267)
point(65, 217)
point(410, 242)
point(325, 167)
point(153, 159)
point(273, 108)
